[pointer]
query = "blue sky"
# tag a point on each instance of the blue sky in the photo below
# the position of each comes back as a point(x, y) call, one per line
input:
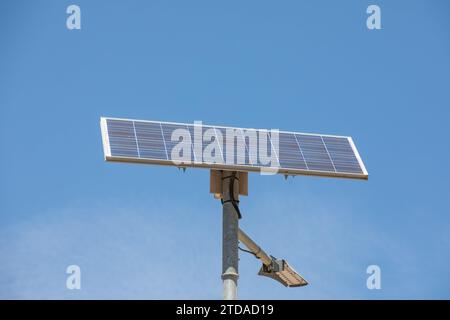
point(148, 232)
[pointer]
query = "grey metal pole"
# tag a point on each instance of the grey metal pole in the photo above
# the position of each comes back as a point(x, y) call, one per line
point(230, 227)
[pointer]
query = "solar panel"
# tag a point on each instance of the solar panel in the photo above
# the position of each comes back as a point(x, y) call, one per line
point(227, 148)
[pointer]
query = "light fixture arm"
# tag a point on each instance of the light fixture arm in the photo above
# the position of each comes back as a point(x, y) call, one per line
point(253, 247)
point(277, 269)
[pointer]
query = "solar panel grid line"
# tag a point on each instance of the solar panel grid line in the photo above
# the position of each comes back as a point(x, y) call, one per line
point(146, 141)
point(164, 140)
point(331, 160)
point(223, 151)
point(273, 148)
point(137, 141)
point(301, 151)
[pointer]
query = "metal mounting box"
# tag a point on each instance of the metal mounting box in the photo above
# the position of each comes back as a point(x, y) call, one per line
point(215, 183)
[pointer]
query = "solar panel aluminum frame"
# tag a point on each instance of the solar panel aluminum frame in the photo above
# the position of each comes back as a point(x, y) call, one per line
point(224, 166)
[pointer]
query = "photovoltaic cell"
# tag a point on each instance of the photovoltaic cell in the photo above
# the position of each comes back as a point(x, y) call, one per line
point(297, 153)
point(342, 155)
point(149, 140)
point(123, 140)
point(289, 152)
point(315, 152)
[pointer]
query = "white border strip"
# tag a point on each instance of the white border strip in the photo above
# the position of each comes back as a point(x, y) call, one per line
point(105, 138)
point(358, 157)
point(329, 156)
point(240, 167)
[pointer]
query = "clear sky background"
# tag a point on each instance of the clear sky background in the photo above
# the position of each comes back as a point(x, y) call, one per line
point(149, 232)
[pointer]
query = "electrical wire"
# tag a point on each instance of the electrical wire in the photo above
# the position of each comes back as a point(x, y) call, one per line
point(233, 201)
point(248, 251)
